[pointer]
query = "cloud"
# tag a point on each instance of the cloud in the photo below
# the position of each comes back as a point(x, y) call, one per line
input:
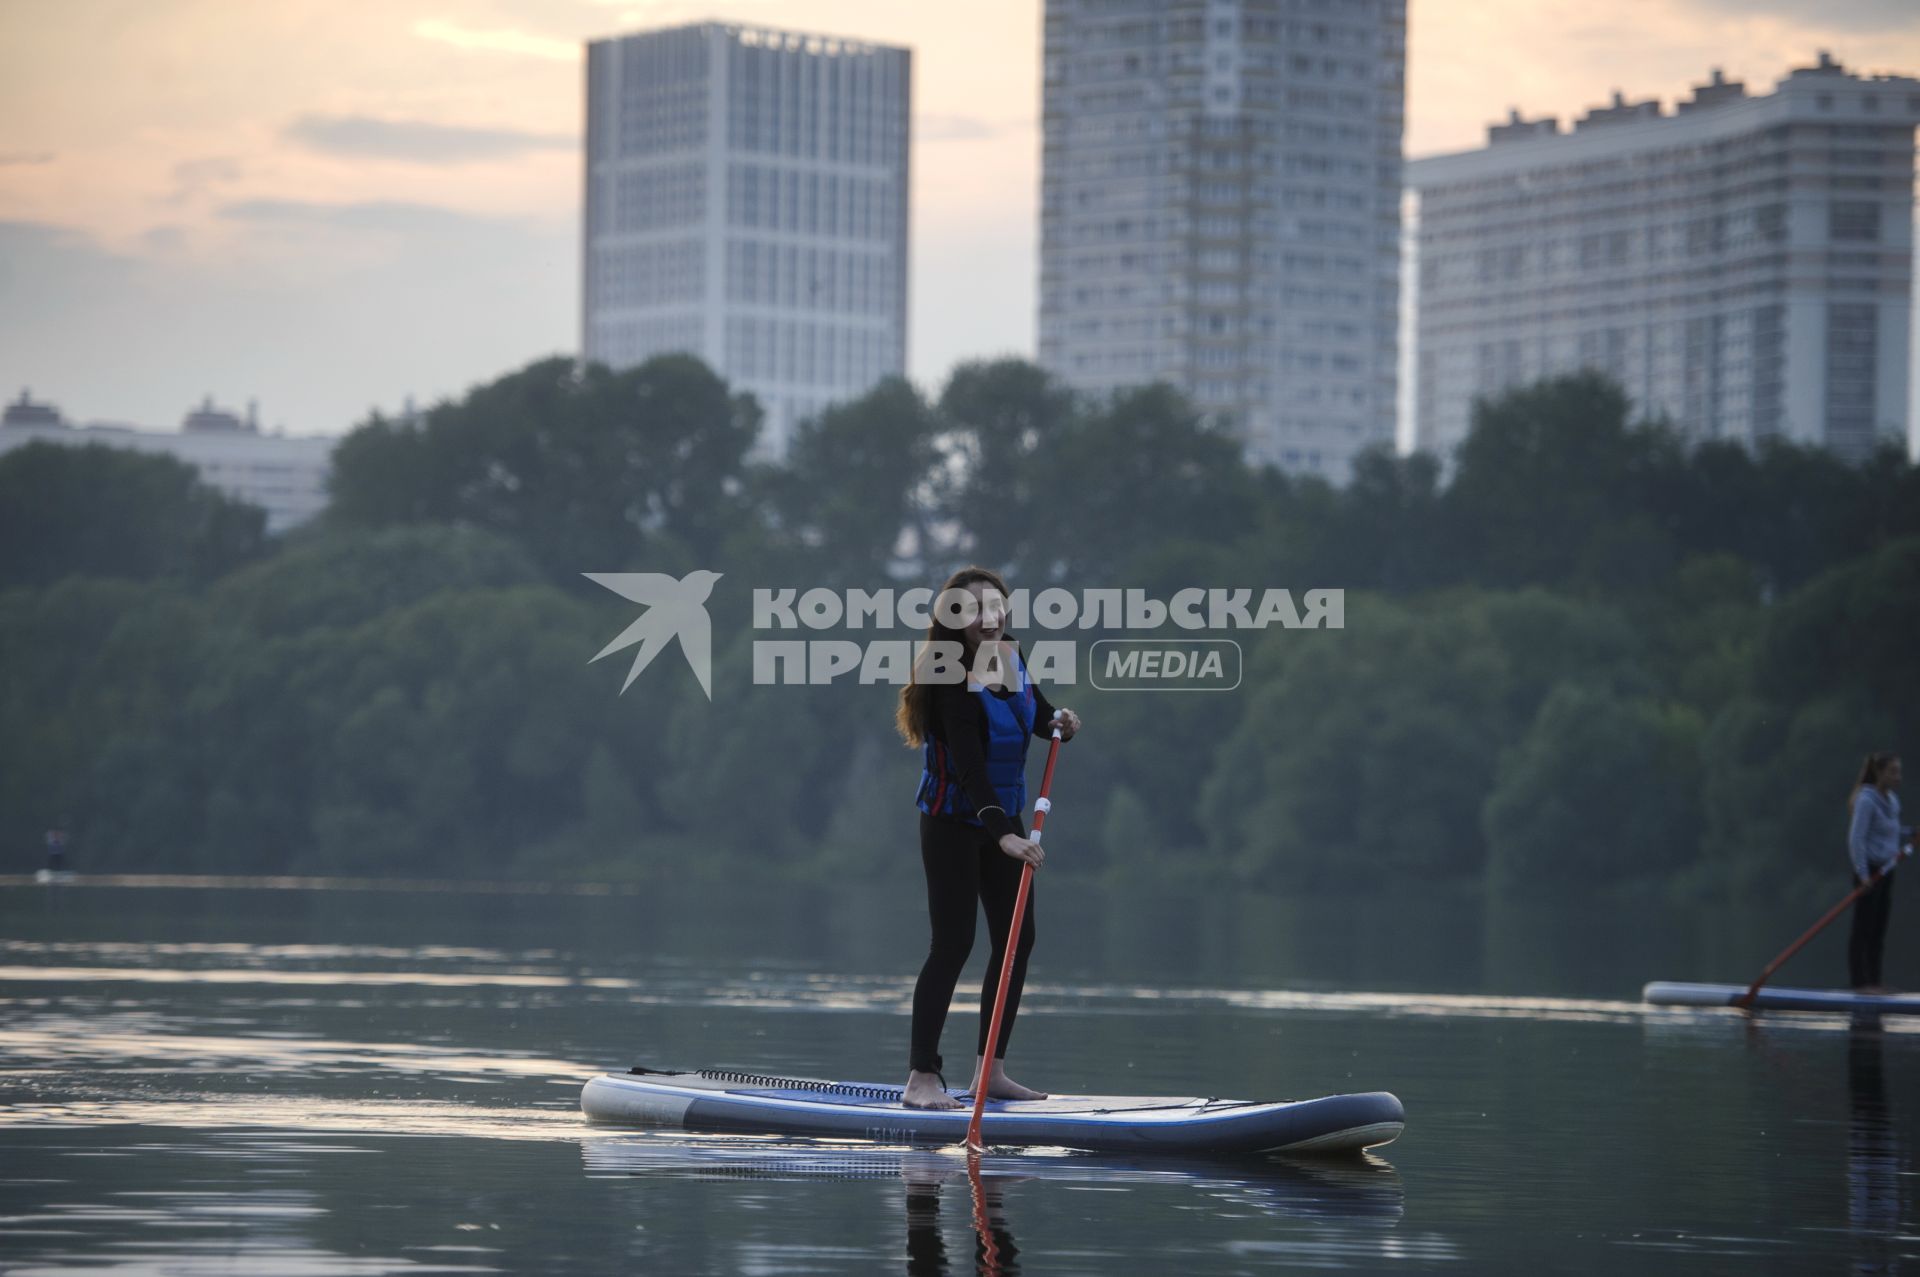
point(164, 239)
point(1856, 16)
point(43, 263)
point(417, 141)
point(365, 215)
point(194, 177)
point(47, 272)
point(22, 242)
point(361, 216)
point(312, 240)
point(965, 128)
point(666, 13)
point(336, 323)
point(505, 40)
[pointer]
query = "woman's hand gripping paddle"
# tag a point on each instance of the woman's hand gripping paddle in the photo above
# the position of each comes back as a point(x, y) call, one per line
point(1041, 806)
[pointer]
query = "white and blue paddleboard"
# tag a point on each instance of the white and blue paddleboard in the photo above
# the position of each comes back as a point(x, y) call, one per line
point(716, 1100)
point(1665, 993)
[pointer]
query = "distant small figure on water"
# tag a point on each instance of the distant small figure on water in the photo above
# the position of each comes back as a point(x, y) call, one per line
point(57, 848)
point(1874, 836)
point(55, 870)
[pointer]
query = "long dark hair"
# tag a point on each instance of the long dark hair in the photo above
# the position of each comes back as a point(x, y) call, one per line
point(1870, 773)
point(911, 715)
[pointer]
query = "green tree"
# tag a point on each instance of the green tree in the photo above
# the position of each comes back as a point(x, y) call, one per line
point(1702, 626)
point(1601, 790)
point(746, 777)
point(1371, 749)
point(1098, 481)
point(346, 576)
point(1832, 681)
point(101, 511)
point(589, 469)
point(1385, 534)
point(90, 716)
point(1553, 484)
point(851, 483)
point(1363, 752)
point(404, 689)
point(457, 732)
point(996, 415)
point(1776, 788)
point(1853, 627)
point(385, 472)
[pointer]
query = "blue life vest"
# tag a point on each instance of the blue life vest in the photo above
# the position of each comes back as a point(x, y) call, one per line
point(1009, 728)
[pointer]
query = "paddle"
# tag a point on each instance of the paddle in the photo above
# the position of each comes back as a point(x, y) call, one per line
point(1041, 806)
point(989, 1254)
point(1745, 1000)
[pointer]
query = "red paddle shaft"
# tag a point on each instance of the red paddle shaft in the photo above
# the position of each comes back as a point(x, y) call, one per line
point(989, 1265)
point(1745, 1000)
point(1041, 806)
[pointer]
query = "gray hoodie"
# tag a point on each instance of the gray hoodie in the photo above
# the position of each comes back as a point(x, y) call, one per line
point(1873, 839)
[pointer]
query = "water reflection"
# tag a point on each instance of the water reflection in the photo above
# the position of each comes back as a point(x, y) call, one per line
point(1874, 1155)
point(1364, 1189)
point(1335, 1196)
point(995, 1254)
point(926, 1244)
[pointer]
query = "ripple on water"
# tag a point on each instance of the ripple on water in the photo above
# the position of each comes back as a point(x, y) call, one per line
point(763, 989)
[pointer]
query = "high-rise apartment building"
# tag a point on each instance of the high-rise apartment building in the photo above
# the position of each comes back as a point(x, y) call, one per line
point(1220, 209)
point(746, 202)
point(1742, 266)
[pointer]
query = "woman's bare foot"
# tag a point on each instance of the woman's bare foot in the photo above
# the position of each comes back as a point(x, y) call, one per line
point(925, 1092)
point(1002, 1087)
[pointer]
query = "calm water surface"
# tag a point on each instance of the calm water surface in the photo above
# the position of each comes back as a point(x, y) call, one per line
point(350, 1082)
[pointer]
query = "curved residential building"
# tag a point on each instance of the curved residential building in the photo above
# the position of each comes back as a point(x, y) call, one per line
point(1743, 265)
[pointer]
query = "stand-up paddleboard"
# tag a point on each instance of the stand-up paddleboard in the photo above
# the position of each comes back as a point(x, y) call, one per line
point(1663, 993)
point(714, 1100)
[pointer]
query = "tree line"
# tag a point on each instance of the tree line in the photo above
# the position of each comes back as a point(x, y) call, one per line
point(1583, 653)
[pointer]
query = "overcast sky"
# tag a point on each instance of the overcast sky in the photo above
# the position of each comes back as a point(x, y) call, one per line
point(328, 205)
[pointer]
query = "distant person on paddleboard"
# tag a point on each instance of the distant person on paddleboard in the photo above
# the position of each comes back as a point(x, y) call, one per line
point(1873, 843)
point(971, 710)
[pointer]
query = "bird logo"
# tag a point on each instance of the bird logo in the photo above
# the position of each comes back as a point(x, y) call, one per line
point(676, 609)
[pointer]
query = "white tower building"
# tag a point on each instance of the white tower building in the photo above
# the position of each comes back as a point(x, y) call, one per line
point(1742, 266)
point(1220, 209)
point(746, 202)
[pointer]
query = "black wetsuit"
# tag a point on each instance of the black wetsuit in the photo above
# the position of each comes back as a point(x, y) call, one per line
point(964, 863)
point(1867, 938)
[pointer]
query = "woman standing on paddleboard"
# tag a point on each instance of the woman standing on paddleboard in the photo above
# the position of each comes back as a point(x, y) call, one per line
point(1873, 843)
point(971, 709)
